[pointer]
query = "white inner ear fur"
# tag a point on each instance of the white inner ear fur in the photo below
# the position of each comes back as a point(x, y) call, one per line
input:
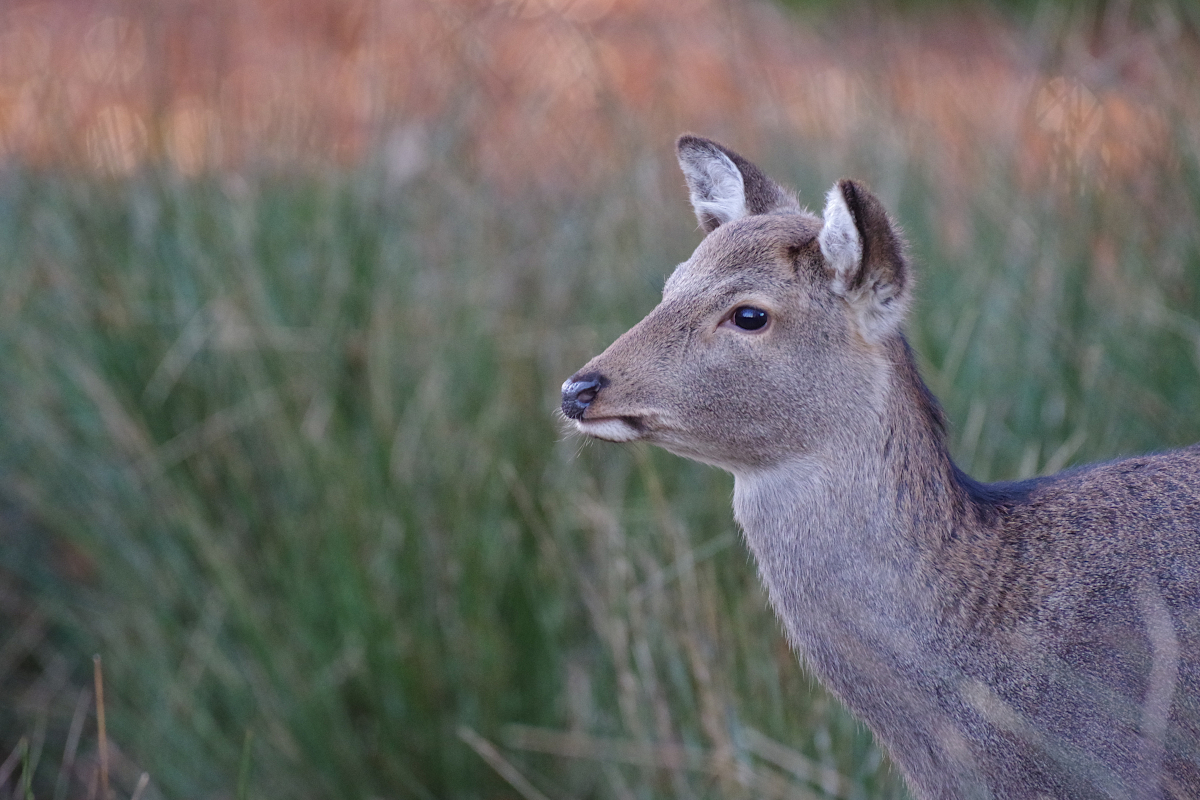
point(878, 308)
point(840, 243)
point(716, 186)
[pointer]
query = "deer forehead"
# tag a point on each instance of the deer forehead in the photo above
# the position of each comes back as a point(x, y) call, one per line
point(751, 255)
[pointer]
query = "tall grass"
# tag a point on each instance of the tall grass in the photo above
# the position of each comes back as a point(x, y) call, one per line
point(283, 449)
point(300, 433)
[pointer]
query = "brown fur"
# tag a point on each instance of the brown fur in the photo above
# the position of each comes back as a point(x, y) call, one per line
point(1021, 640)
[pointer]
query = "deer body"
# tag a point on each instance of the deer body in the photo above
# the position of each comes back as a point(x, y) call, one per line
point(1034, 639)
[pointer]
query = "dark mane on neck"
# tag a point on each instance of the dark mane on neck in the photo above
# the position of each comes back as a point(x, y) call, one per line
point(984, 501)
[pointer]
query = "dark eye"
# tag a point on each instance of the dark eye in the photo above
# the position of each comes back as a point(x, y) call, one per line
point(749, 318)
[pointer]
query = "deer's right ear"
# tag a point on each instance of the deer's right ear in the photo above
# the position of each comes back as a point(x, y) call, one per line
point(866, 254)
point(716, 185)
point(724, 186)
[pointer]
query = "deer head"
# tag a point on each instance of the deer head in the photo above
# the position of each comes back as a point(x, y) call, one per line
point(771, 341)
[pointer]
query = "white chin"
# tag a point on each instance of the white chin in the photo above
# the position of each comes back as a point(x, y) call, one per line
point(611, 430)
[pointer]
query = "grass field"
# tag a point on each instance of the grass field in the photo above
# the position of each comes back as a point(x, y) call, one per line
point(279, 441)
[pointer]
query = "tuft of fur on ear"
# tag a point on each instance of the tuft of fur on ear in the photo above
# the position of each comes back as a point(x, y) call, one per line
point(724, 186)
point(866, 255)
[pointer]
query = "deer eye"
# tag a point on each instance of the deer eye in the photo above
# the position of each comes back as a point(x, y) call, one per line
point(749, 318)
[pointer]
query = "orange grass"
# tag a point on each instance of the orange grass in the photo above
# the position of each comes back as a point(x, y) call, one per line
point(530, 86)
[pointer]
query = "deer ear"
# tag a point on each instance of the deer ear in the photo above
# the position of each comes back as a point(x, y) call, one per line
point(724, 186)
point(865, 252)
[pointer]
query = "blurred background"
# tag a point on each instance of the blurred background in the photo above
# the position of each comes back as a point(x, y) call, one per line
point(287, 291)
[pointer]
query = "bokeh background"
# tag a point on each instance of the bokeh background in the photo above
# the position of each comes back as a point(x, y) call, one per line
point(287, 291)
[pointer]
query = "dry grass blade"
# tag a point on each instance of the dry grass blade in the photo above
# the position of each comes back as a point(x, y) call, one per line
point(788, 760)
point(142, 783)
point(761, 782)
point(573, 744)
point(72, 745)
point(98, 676)
point(488, 752)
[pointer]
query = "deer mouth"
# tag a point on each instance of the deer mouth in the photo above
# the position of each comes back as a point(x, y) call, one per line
point(612, 429)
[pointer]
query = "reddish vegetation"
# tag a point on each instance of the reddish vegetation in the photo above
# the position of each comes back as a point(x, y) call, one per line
point(528, 85)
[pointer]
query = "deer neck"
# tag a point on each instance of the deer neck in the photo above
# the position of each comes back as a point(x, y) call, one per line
point(844, 536)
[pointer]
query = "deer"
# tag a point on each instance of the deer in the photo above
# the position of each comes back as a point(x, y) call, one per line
point(1026, 639)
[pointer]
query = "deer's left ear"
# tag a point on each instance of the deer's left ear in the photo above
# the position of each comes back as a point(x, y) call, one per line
point(865, 253)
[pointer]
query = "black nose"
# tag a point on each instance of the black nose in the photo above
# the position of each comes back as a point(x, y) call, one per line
point(578, 393)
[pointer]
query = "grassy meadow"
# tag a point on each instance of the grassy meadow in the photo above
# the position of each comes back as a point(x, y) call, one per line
point(278, 432)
